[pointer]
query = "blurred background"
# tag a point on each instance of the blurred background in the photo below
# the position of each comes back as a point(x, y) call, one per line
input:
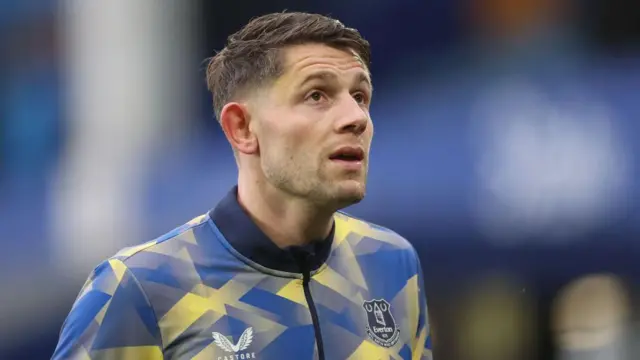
point(506, 150)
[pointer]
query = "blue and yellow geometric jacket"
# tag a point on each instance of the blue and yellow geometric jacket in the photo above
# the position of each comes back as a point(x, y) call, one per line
point(218, 288)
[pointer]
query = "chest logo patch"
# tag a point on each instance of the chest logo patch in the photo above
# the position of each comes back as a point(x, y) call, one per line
point(381, 326)
point(245, 341)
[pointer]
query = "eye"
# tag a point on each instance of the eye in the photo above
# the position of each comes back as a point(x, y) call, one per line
point(360, 98)
point(315, 96)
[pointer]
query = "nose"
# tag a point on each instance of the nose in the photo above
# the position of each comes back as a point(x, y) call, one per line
point(352, 118)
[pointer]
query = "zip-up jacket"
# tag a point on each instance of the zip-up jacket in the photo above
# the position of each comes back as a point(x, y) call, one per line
point(219, 288)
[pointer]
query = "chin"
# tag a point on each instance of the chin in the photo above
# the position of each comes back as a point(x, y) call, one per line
point(349, 193)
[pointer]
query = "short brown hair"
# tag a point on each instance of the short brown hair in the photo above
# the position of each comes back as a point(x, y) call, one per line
point(252, 55)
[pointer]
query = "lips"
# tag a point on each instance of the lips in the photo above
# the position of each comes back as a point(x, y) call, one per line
point(348, 153)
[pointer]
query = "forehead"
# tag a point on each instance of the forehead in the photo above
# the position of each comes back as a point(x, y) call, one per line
point(300, 60)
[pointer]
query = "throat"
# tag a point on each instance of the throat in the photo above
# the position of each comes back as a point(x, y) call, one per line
point(287, 223)
point(288, 232)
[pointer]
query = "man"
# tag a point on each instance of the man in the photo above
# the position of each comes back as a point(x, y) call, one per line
point(274, 271)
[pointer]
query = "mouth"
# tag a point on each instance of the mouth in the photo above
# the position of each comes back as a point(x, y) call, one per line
point(348, 154)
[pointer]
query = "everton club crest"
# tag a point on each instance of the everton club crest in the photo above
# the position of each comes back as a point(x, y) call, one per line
point(381, 327)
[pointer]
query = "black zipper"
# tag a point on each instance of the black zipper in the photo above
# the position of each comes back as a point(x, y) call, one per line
point(303, 260)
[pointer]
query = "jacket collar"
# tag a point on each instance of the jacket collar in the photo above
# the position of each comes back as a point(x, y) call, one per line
point(245, 236)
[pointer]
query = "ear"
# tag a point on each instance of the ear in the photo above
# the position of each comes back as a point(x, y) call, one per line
point(236, 120)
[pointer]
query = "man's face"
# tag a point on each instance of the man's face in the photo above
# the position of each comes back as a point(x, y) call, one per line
point(313, 126)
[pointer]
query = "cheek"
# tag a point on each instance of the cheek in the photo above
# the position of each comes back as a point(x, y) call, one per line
point(279, 146)
point(269, 137)
point(288, 138)
point(369, 133)
point(285, 137)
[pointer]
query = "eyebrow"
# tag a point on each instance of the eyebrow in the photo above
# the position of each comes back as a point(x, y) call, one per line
point(327, 75)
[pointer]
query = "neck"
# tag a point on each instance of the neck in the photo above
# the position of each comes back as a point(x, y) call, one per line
point(286, 220)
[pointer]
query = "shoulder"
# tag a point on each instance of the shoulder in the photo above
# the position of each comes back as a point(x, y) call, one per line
point(128, 261)
point(374, 247)
point(179, 234)
point(352, 228)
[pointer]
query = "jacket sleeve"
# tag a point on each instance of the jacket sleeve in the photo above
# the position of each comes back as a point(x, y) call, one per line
point(422, 349)
point(110, 319)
